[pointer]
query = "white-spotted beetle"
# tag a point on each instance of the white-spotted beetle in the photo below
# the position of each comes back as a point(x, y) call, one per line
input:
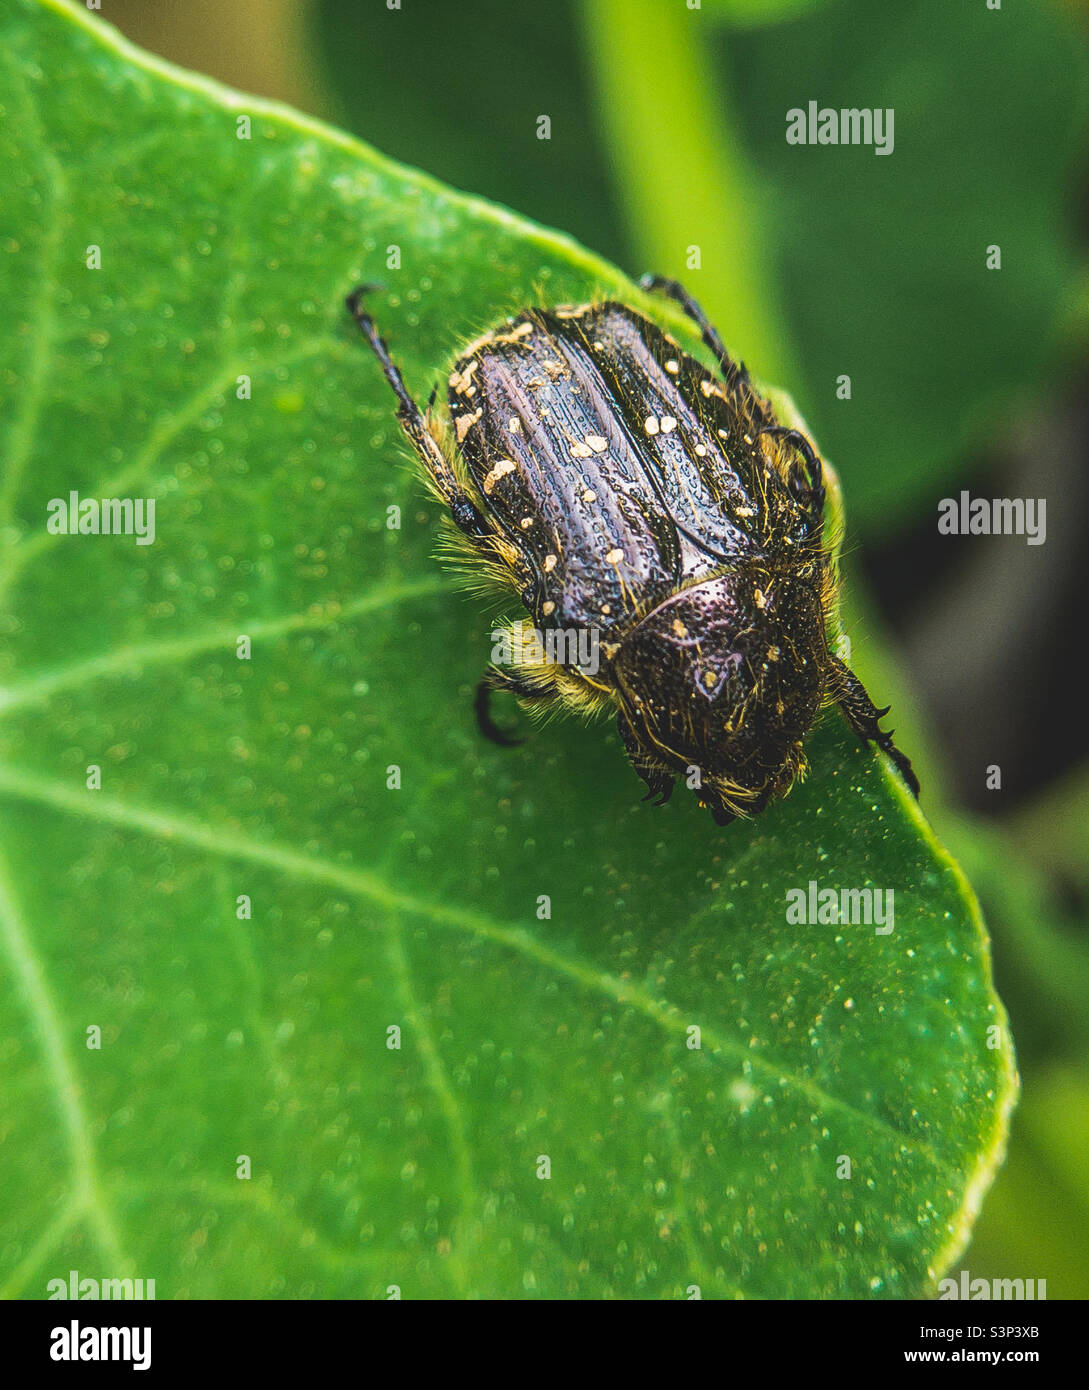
point(619, 489)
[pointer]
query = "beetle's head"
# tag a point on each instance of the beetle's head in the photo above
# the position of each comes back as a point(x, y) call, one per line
point(728, 677)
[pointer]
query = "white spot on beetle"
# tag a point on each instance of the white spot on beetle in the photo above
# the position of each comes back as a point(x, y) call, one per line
point(650, 424)
point(701, 450)
point(673, 366)
point(501, 469)
point(522, 331)
point(548, 608)
point(614, 556)
point(589, 496)
point(596, 443)
point(550, 563)
point(668, 424)
point(464, 423)
point(461, 381)
point(526, 523)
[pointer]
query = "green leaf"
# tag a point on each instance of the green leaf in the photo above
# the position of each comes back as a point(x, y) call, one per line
point(221, 1037)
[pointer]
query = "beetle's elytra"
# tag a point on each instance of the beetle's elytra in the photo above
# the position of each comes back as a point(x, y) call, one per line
point(614, 487)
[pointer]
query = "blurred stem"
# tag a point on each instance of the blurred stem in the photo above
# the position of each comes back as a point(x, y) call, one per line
point(1054, 828)
point(682, 170)
point(1076, 317)
point(749, 14)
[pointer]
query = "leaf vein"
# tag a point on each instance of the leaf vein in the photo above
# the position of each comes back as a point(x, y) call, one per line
point(132, 659)
point(35, 990)
point(25, 784)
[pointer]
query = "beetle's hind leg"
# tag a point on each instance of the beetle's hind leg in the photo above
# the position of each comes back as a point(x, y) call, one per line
point(655, 776)
point(500, 680)
point(467, 516)
point(734, 372)
point(864, 717)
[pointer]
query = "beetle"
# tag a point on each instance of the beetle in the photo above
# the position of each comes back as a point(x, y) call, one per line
point(619, 489)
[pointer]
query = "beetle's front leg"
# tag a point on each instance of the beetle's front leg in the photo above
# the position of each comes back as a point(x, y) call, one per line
point(467, 516)
point(864, 717)
point(807, 483)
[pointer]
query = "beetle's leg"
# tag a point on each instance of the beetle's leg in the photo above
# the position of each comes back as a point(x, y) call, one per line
point(864, 717)
point(734, 372)
point(660, 786)
point(814, 469)
point(466, 514)
point(501, 680)
point(654, 775)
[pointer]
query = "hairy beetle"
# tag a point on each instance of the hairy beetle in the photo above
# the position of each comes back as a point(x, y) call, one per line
point(621, 490)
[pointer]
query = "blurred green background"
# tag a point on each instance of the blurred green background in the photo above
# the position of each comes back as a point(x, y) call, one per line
point(668, 132)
